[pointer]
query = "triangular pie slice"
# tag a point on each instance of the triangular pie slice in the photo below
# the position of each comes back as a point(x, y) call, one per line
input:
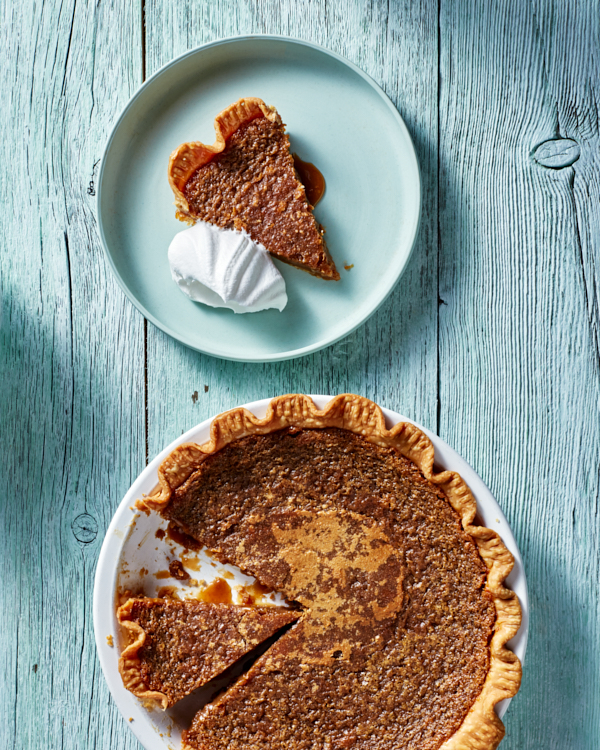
point(246, 180)
point(178, 646)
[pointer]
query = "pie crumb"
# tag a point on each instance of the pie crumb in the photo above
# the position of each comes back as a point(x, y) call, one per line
point(177, 571)
point(110, 641)
point(350, 267)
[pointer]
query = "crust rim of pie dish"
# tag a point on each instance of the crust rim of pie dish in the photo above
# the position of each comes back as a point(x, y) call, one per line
point(481, 729)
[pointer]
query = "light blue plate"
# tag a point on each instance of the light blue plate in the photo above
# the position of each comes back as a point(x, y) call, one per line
point(337, 118)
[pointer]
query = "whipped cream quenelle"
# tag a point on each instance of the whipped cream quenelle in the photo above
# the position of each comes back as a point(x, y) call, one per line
point(225, 268)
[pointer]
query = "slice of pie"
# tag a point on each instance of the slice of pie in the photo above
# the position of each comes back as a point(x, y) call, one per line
point(178, 646)
point(247, 180)
point(402, 641)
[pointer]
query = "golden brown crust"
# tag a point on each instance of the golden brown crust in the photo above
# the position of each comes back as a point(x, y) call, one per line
point(189, 157)
point(129, 663)
point(481, 729)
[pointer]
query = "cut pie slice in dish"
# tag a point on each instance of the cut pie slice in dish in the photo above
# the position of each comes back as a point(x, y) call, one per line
point(246, 180)
point(178, 646)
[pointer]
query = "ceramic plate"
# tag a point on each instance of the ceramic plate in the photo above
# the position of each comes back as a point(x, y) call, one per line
point(132, 555)
point(337, 118)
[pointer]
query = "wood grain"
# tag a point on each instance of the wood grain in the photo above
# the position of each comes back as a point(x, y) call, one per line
point(519, 325)
point(492, 337)
point(71, 411)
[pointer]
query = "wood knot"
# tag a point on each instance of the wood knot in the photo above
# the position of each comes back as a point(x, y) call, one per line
point(84, 528)
point(557, 153)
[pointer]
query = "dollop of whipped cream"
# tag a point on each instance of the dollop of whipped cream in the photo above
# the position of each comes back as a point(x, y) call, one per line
point(225, 268)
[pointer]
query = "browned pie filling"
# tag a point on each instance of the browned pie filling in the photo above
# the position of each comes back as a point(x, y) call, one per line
point(188, 643)
point(393, 646)
point(252, 185)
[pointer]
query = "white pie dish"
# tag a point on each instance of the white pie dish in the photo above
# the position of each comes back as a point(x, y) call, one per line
point(130, 543)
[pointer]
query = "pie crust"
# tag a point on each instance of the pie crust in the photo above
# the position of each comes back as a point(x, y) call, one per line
point(481, 729)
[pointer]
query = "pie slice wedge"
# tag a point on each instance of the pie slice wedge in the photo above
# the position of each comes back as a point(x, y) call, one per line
point(247, 180)
point(178, 646)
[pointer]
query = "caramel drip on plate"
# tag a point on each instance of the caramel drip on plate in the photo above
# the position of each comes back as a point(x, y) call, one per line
point(311, 178)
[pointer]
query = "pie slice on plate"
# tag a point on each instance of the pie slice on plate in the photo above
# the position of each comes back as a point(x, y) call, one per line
point(402, 640)
point(246, 180)
point(178, 646)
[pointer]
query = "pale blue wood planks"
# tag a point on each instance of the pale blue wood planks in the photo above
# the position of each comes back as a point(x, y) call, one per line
point(491, 338)
point(72, 374)
point(519, 324)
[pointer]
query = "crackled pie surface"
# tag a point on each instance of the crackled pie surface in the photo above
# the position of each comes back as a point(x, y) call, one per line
point(404, 615)
point(398, 617)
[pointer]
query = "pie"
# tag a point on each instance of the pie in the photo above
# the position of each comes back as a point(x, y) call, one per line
point(247, 180)
point(178, 646)
point(405, 619)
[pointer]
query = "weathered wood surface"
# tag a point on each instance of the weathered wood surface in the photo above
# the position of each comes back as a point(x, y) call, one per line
point(519, 324)
point(72, 405)
point(492, 337)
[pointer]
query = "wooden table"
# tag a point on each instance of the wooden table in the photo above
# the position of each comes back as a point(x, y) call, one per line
point(491, 338)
